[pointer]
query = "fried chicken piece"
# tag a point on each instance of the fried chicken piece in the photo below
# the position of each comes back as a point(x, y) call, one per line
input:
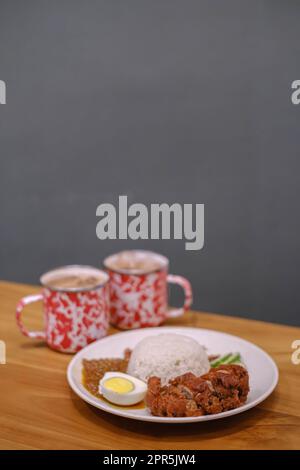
point(170, 400)
point(223, 388)
point(227, 378)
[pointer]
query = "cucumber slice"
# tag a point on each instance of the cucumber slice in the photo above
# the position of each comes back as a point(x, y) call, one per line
point(231, 358)
point(220, 360)
point(236, 358)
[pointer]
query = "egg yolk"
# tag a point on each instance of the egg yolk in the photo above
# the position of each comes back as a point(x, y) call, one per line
point(119, 385)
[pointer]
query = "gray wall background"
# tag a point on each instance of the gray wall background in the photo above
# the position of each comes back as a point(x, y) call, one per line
point(165, 101)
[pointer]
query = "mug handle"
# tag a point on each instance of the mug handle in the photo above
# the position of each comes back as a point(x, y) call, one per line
point(21, 304)
point(187, 288)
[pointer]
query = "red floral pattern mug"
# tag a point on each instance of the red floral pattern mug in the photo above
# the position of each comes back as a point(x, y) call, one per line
point(74, 316)
point(139, 298)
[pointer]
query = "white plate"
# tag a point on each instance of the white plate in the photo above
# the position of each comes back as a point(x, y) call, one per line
point(262, 369)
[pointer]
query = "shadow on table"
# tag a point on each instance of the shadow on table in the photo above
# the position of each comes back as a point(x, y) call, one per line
point(165, 432)
point(33, 345)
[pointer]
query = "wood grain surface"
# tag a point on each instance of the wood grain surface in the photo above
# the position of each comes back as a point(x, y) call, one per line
point(38, 410)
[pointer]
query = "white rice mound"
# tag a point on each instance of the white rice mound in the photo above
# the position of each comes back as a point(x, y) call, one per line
point(167, 356)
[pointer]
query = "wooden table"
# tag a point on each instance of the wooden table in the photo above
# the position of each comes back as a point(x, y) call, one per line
point(39, 411)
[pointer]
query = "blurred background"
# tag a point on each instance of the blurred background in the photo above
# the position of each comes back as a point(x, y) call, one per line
point(162, 101)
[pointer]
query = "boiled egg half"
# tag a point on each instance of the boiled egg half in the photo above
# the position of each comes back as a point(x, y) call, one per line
point(122, 389)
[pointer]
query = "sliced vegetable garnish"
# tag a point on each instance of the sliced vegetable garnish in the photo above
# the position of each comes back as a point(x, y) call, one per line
point(231, 358)
point(220, 360)
point(236, 358)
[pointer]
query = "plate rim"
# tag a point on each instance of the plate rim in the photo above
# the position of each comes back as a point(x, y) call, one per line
point(91, 400)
